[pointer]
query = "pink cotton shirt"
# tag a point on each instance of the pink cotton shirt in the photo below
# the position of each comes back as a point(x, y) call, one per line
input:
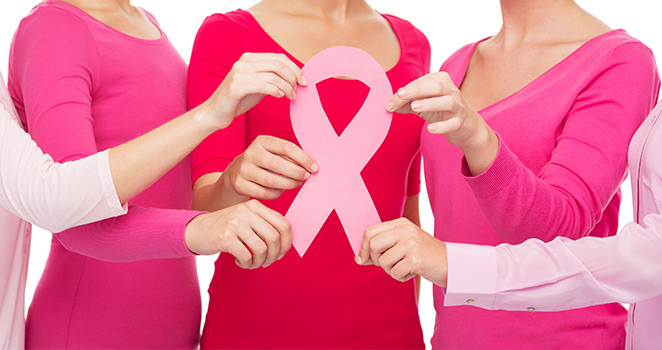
point(81, 86)
point(562, 157)
point(565, 274)
point(54, 196)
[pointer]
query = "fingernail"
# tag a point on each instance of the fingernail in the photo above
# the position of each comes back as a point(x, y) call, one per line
point(357, 259)
point(304, 81)
point(314, 167)
point(294, 95)
point(281, 94)
point(403, 93)
point(306, 176)
point(417, 105)
point(432, 127)
point(389, 106)
point(281, 256)
point(265, 266)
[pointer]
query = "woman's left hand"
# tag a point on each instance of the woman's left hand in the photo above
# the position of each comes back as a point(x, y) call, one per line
point(435, 98)
point(404, 251)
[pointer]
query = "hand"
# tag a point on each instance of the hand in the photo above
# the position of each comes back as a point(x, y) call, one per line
point(404, 251)
point(268, 167)
point(435, 98)
point(252, 77)
point(254, 234)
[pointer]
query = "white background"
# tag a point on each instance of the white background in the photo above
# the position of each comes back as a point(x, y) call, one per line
point(447, 24)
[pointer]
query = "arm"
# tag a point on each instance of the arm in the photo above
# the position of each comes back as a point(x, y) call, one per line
point(561, 274)
point(586, 168)
point(84, 192)
point(226, 170)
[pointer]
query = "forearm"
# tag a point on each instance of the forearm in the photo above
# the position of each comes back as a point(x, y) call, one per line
point(559, 275)
point(141, 234)
point(213, 192)
point(137, 164)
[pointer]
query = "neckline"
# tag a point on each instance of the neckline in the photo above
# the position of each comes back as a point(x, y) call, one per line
point(301, 64)
point(161, 39)
point(536, 80)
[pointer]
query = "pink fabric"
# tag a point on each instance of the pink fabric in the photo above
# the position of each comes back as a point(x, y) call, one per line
point(81, 86)
point(565, 274)
point(562, 157)
point(54, 196)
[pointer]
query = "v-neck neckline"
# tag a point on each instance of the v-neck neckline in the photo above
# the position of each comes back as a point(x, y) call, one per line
point(536, 80)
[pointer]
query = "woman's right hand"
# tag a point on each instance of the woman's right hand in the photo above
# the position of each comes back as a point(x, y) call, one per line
point(254, 234)
point(252, 77)
point(268, 167)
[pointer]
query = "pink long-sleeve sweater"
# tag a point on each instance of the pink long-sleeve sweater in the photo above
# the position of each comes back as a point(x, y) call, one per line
point(562, 157)
point(81, 86)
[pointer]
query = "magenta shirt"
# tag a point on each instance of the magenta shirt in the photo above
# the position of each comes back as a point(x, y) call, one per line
point(562, 157)
point(81, 86)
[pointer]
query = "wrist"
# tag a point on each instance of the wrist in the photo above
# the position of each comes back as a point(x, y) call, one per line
point(228, 193)
point(190, 233)
point(481, 151)
point(439, 275)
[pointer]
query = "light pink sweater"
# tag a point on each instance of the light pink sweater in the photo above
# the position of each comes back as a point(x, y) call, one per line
point(81, 86)
point(562, 158)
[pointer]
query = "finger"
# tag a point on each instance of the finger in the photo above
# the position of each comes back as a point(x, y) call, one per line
point(255, 190)
point(443, 104)
point(445, 126)
point(431, 85)
point(280, 58)
point(381, 243)
point(289, 150)
point(402, 271)
point(392, 256)
point(255, 245)
point(254, 87)
point(370, 233)
point(269, 236)
point(243, 257)
point(272, 180)
point(277, 221)
point(274, 79)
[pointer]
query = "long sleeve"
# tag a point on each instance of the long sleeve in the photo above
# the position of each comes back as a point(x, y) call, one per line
point(54, 72)
point(569, 195)
point(559, 275)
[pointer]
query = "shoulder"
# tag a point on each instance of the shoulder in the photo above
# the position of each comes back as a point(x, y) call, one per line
point(407, 32)
point(617, 48)
point(226, 23)
point(456, 64)
point(53, 15)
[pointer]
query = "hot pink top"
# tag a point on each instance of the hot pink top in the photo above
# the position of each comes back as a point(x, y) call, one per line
point(81, 86)
point(565, 274)
point(562, 157)
point(323, 299)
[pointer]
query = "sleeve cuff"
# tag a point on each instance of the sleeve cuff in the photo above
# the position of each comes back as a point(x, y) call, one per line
point(498, 176)
point(472, 275)
point(108, 186)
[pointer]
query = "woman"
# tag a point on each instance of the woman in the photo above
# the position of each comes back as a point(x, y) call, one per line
point(321, 299)
point(89, 80)
point(544, 155)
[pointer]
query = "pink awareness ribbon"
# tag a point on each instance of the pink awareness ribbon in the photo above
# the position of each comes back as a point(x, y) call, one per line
point(338, 184)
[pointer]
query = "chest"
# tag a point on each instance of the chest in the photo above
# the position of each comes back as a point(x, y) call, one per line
point(303, 38)
point(494, 74)
point(147, 81)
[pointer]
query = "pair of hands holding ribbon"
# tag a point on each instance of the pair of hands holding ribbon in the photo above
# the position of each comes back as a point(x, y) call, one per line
point(400, 247)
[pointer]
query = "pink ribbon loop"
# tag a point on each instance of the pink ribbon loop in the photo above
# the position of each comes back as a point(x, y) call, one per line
point(338, 184)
